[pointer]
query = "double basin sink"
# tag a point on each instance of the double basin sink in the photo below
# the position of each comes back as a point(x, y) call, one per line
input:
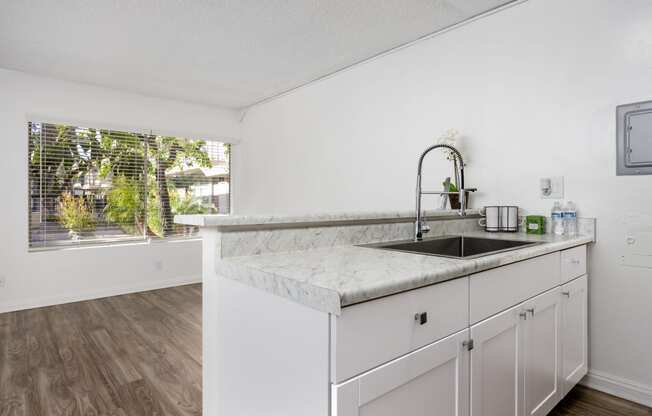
point(459, 247)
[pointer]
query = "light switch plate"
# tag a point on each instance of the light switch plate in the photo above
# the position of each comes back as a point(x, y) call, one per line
point(551, 187)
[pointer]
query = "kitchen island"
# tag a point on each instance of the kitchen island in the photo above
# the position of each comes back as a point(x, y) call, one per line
point(301, 320)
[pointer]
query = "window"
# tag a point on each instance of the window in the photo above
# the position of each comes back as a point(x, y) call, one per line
point(91, 185)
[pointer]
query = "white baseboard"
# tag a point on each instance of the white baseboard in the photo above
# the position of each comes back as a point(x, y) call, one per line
point(89, 295)
point(619, 387)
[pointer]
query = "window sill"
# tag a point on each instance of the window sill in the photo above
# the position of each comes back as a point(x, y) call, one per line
point(110, 244)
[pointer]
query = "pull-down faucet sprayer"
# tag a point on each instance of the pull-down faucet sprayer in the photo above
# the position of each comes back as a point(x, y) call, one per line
point(419, 225)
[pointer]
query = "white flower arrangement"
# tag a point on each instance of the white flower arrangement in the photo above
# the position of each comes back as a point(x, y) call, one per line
point(451, 137)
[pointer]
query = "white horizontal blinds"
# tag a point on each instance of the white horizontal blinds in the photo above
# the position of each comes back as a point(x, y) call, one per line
point(119, 186)
point(191, 177)
point(100, 186)
point(86, 185)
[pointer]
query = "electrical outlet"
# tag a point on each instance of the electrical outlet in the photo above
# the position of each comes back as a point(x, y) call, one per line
point(158, 265)
point(3, 281)
point(551, 187)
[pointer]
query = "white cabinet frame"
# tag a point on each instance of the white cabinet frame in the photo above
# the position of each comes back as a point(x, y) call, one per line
point(541, 348)
point(496, 363)
point(574, 333)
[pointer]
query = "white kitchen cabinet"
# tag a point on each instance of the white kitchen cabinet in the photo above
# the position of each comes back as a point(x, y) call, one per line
point(574, 333)
point(432, 380)
point(523, 359)
point(541, 353)
point(515, 360)
point(496, 364)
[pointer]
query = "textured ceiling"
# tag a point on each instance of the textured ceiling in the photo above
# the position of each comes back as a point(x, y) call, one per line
point(230, 53)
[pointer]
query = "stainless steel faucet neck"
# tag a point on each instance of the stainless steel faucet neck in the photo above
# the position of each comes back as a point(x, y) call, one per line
point(458, 163)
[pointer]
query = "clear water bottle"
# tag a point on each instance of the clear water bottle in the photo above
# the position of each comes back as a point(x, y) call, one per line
point(570, 219)
point(557, 219)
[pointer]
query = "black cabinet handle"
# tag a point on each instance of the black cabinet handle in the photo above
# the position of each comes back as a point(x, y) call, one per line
point(422, 318)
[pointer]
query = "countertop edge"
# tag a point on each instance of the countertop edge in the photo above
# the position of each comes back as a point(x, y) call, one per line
point(308, 294)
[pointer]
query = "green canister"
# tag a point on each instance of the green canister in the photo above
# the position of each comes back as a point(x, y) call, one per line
point(535, 224)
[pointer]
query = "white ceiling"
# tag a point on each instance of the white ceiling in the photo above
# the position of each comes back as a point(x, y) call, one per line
point(230, 53)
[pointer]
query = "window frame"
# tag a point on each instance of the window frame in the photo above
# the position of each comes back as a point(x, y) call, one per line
point(122, 240)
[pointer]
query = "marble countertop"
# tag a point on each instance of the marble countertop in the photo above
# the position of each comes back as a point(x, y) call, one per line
point(331, 278)
point(225, 221)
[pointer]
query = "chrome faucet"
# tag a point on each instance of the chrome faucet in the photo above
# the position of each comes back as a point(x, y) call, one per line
point(420, 227)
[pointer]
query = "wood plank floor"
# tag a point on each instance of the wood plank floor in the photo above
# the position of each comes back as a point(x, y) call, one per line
point(131, 355)
point(582, 401)
point(140, 355)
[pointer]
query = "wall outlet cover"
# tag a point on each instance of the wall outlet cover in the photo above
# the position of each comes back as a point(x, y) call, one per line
point(3, 281)
point(551, 187)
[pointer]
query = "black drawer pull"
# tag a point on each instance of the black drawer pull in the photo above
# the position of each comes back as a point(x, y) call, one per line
point(422, 318)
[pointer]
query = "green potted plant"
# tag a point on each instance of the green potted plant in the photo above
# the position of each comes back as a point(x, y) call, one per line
point(454, 199)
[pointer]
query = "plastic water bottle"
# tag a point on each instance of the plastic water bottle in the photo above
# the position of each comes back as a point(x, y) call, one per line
point(557, 220)
point(570, 219)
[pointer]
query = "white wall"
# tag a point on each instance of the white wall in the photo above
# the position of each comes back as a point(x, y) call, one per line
point(534, 90)
point(42, 278)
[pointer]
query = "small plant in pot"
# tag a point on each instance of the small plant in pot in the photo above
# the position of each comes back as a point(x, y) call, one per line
point(454, 199)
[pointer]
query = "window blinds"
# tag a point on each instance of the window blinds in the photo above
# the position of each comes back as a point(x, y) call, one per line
point(89, 186)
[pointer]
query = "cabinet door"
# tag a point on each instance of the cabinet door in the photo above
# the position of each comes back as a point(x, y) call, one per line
point(541, 354)
point(574, 332)
point(432, 381)
point(496, 364)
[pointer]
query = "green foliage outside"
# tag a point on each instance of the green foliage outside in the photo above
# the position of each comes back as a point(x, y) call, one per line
point(187, 204)
point(75, 214)
point(155, 218)
point(125, 205)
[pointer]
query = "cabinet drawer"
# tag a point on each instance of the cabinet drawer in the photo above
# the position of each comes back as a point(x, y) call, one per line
point(375, 332)
point(573, 263)
point(498, 289)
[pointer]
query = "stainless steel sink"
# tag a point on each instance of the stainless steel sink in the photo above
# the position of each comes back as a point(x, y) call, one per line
point(458, 247)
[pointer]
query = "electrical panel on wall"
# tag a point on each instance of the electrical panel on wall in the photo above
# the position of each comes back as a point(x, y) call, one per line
point(634, 138)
